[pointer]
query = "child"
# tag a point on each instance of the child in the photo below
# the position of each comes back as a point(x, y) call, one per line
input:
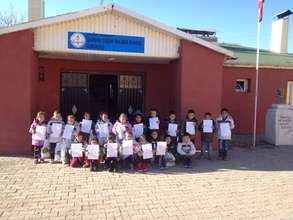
point(86, 127)
point(153, 122)
point(138, 126)
point(128, 159)
point(120, 127)
point(55, 128)
point(138, 153)
point(38, 129)
point(103, 129)
point(186, 150)
point(189, 125)
point(172, 126)
point(171, 151)
point(79, 161)
point(93, 164)
point(154, 138)
point(71, 129)
point(111, 162)
point(224, 138)
point(207, 135)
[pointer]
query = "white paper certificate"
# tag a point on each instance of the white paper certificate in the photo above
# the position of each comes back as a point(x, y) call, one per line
point(104, 130)
point(40, 133)
point(138, 130)
point(76, 150)
point(190, 128)
point(93, 152)
point(112, 150)
point(86, 126)
point(127, 147)
point(172, 129)
point(154, 123)
point(68, 130)
point(225, 130)
point(208, 126)
point(56, 129)
point(147, 151)
point(161, 148)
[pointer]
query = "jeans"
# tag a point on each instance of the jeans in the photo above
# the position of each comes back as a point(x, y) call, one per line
point(52, 150)
point(162, 161)
point(112, 163)
point(224, 148)
point(187, 160)
point(206, 146)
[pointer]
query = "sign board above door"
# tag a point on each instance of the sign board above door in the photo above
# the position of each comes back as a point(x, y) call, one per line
point(105, 42)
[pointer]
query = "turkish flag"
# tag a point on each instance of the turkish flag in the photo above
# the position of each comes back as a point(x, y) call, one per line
point(260, 9)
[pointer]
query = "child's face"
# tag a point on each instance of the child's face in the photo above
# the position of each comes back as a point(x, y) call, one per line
point(110, 140)
point(138, 119)
point(104, 117)
point(70, 120)
point(128, 136)
point(79, 138)
point(122, 119)
point(154, 135)
point(208, 116)
point(87, 116)
point(153, 113)
point(57, 116)
point(185, 139)
point(168, 140)
point(172, 117)
point(224, 113)
point(41, 118)
point(190, 115)
point(142, 139)
point(94, 142)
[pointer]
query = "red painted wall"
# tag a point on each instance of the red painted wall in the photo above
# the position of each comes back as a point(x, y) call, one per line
point(201, 74)
point(241, 105)
point(18, 69)
point(156, 79)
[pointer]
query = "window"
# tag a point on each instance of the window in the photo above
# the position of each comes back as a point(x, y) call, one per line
point(242, 85)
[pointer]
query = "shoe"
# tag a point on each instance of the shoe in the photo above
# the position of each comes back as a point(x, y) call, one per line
point(85, 166)
point(36, 161)
point(42, 160)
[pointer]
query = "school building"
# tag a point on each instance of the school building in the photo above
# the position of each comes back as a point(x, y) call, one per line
point(113, 59)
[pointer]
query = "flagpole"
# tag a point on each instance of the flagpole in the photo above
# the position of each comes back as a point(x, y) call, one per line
point(256, 83)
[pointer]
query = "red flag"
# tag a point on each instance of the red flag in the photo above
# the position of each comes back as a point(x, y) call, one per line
point(260, 9)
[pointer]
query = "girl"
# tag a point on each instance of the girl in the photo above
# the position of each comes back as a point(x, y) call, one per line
point(120, 127)
point(153, 122)
point(94, 164)
point(154, 138)
point(103, 129)
point(172, 127)
point(128, 159)
point(55, 128)
point(71, 129)
point(171, 152)
point(111, 162)
point(138, 126)
point(141, 163)
point(38, 129)
point(224, 139)
point(78, 161)
point(189, 125)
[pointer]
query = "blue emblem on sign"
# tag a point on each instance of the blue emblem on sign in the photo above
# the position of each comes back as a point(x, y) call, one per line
point(105, 42)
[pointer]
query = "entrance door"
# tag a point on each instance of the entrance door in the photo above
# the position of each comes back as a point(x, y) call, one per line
point(74, 94)
point(103, 94)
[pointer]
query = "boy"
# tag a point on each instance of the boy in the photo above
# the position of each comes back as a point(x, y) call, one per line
point(172, 127)
point(86, 127)
point(225, 124)
point(186, 150)
point(207, 128)
point(153, 122)
point(189, 125)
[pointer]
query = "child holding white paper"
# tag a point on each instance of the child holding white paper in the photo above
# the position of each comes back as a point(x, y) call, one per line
point(225, 124)
point(154, 138)
point(207, 128)
point(172, 127)
point(71, 129)
point(186, 150)
point(161, 151)
point(189, 125)
point(78, 161)
point(127, 158)
point(138, 126)
point(138, 153)
point(94, 164)
point(120, 127)
point(55, 129)
point(38, 129)
point(86, 127)
point(153, 122)
point(111, 161)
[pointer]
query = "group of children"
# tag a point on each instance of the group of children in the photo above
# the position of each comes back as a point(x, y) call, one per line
point(137, 145)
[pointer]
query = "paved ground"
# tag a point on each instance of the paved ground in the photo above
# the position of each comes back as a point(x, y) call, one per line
point(252, 185)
